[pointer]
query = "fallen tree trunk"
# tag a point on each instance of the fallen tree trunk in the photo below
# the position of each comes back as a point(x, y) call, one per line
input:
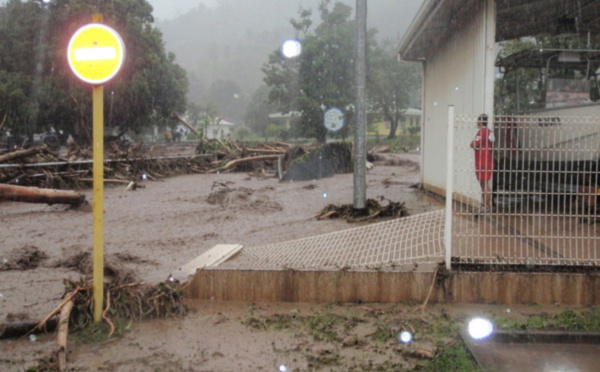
point(235, 162)
point(20, 154)
point(184, 122)
point(22, 328)
point(106, 180)
point(267, 151)
point(37, 195)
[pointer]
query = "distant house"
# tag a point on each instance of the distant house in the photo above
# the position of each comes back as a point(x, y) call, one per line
point(282, 119)
point(220, 129)
point(411, 118)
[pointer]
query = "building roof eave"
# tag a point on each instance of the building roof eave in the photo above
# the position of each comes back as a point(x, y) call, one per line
point(436, 20)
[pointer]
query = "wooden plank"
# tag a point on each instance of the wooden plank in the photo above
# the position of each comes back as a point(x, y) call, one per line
point(211, 258)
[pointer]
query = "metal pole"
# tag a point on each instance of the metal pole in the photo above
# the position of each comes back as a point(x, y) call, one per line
point(98, 209)
point(490, 60)
point(449, 186)
point(98, 172)
point(360, 134)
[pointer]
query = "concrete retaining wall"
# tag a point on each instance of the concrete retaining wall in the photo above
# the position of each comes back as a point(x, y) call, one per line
point(372, 286)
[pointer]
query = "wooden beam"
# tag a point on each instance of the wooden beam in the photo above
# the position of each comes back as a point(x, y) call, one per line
point(37, 195)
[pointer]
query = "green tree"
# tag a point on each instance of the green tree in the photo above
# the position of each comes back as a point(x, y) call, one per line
point(19, 49)
point(39, 91)
point(323, 76)
point(390, 84)
point(506, 101)
point(258, 110)
point(272, 131)
point(200, 116)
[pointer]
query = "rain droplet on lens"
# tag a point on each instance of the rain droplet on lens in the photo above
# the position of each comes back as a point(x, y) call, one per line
point(291, 48)
point(405, 337)
point(480, 328)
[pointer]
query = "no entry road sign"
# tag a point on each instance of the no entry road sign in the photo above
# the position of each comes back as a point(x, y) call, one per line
point(96, 53)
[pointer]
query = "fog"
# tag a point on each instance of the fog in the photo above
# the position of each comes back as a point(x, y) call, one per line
point(169, 9)
point(229, 40)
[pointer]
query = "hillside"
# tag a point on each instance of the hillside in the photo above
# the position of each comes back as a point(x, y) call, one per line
point(231, 41)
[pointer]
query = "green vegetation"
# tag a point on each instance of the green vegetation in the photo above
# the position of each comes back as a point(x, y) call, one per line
point(372, 333)
point(38, 91)
point(453, 358)
point(322, 77)
point(588, 321)
point(365, 338)
point(403, 143)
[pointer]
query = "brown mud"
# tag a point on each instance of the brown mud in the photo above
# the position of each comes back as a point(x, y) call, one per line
point(151, 231)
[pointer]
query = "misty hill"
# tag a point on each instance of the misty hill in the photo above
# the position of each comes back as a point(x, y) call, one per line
point(231, 41)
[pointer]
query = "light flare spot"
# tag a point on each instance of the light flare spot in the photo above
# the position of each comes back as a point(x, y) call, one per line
point(480, 328)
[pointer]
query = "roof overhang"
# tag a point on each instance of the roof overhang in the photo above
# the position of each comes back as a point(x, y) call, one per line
point(436, 20)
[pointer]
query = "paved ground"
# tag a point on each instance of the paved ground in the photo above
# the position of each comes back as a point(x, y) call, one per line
point(498, 355)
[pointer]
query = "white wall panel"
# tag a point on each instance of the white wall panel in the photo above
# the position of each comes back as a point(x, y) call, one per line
point(455, 75)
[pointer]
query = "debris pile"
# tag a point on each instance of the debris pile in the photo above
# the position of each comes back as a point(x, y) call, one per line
point(23, 171)
point(126, 299)
point(323, 161)
point(125, 162)
point(374, 210)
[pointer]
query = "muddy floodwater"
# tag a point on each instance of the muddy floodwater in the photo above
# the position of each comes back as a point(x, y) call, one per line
point(152, 231)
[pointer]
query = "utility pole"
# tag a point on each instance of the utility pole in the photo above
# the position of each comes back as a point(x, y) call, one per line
point(360, 134)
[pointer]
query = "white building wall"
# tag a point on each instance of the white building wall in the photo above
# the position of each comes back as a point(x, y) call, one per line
point(455, 75)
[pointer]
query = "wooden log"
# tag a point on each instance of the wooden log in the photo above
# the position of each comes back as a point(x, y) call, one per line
point(235, 162)
point(20, 154)
point(267, 151)
point(68, 298)
point(106, 180)
point(18, 329)
point(61, 337)
point(37, 195)
point(182, 121)
point(327, 215)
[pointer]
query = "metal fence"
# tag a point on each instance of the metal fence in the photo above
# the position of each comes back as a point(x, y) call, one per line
point(390, 245)
point(545, 210)
point(545, 191)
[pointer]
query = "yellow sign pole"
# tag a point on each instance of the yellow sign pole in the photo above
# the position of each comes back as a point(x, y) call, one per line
point(98, 173)
point(95, 54)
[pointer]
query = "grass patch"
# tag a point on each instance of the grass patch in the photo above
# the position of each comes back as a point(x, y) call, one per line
point(402, 143)
point(586, 321)
point(453, 358)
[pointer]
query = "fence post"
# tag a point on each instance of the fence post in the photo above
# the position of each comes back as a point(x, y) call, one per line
point(449, 186)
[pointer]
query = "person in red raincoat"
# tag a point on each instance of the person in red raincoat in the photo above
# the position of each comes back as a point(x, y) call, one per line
point(484, 160)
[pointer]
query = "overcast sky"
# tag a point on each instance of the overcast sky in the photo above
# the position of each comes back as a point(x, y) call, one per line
point(168, 9)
